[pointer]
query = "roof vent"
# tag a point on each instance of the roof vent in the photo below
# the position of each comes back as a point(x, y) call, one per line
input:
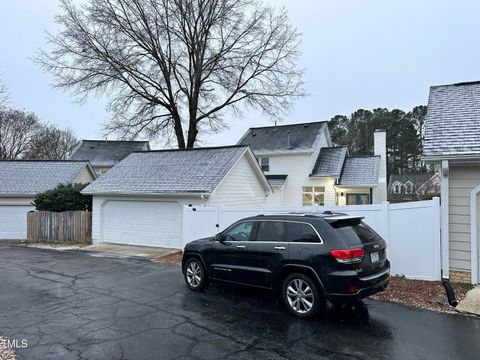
point(305, 126)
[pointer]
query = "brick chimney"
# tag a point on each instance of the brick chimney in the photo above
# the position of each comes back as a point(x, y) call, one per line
point(380, 148)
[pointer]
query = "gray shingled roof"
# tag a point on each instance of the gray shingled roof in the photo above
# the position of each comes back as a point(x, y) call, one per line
point(360, 170)
point(416, 179)
point(452, 125)
point(107, 152)
point(168, 171)
point(273, 139)
point(29, 177)
point(330, 162)
point(276, 180)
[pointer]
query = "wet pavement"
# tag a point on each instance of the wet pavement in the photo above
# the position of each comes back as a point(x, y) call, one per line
point(71, 305)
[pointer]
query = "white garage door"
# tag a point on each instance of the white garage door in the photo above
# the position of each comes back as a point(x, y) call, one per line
point(147, 223)
point(13, 221)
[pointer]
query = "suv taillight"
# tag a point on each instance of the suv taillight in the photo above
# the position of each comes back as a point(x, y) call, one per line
point(349, 256)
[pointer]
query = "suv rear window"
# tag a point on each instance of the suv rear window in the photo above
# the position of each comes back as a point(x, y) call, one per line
point(354, 232)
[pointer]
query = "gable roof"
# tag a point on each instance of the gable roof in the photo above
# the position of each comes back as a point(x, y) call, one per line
point(330, 162)
point(107, 152)
point(284, 138)
point(186, 171)
point(276, 180)
point(452, 124)
point(28, 177)
point(360, 171)
point(416, 179)
point(413, 178)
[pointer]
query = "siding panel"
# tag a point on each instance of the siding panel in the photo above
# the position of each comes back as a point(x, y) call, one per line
point(241, 187)
point(462, 181)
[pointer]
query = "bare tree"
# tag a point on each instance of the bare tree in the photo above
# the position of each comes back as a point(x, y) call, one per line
point(3, 95)
point(50, 142)
point(17, 129)
point(172, 68)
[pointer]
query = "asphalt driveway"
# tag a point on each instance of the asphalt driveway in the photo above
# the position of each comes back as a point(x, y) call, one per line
point(72, 305)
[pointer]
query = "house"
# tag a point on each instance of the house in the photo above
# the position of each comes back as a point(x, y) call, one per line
point(139, 201)
point(21, 180)
point(452, 145)
point(304, 168)
point(104, 154)
point(410, 187)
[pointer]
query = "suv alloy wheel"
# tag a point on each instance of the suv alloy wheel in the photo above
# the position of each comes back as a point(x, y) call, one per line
point(301, 296)
point(195, 276)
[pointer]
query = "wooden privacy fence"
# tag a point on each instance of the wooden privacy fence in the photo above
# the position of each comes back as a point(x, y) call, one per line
point(68, 227)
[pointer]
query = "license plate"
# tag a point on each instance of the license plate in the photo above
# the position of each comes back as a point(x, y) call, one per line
point(374, 257)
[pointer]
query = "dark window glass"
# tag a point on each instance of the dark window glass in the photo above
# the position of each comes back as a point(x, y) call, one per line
point(271, 231)
point(239, 232)
point(354, 232)
point(298, 232)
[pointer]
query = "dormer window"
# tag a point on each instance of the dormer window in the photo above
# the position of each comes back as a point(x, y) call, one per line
point(408, 187)
point(264, 163)
point(397, 188)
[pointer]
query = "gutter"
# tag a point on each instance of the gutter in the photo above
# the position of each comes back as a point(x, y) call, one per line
point(120, 193)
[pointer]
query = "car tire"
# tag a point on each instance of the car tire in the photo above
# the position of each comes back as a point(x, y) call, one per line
point(195, 274)
point(301, 296)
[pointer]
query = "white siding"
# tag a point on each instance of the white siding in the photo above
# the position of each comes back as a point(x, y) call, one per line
point(462, 181)
point(84, 177)
point(241, 187)
point(298, 168)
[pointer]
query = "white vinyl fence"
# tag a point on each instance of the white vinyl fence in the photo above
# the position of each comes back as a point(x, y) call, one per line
point(412, 230)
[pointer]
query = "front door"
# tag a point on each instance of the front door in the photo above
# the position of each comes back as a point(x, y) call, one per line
point(358, 199)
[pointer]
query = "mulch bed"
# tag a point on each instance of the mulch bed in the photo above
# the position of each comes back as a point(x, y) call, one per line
point(429, 295)
point(170, 259)
point(6, 353)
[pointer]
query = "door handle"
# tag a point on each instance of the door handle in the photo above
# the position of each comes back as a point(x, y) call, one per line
point(240, 246)
point(279, 247)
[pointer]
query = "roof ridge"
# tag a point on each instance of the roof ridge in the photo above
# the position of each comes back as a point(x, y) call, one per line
point(190, 149)
point(361, 156)
point(44, 160)
point(462, 83)
point(110, 141)
point(295, 124)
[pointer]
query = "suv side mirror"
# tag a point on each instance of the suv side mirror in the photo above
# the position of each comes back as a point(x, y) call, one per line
point(218, 237)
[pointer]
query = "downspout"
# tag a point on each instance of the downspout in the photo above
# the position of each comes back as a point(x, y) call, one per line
point(444, 235)
point(474, 236)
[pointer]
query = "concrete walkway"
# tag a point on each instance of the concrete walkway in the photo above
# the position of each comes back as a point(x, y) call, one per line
point(130, 250)
point(471, 303)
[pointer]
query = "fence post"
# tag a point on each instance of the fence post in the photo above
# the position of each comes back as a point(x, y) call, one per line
point(386, 221)
point(436, 225)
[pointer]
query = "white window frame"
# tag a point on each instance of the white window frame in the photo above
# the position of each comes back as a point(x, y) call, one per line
point(397, 187)
point(408, 188)
point(316, 190)
point(264, 163)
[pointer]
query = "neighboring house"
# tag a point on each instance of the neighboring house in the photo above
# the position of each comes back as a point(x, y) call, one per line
point(411, 187)
point(21, 180)
point(452, 144)
point(304, 168)
point(104, 154)
point(139, 201)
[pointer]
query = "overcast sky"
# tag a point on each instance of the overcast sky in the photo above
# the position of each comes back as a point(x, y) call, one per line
point(357, 54)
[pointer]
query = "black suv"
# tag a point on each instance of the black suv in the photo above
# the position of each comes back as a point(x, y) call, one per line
point(308, 258)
